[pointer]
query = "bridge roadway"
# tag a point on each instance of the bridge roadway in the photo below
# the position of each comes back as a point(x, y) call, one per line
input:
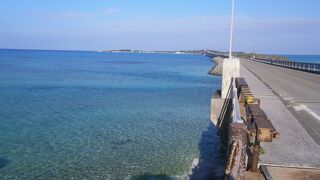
point(291, 100)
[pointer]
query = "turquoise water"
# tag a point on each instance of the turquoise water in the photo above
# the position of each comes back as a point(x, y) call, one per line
point(93, 115)
point(305, 58)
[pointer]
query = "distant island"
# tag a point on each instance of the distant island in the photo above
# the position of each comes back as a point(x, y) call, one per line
point(236, 54)
point(166, 52)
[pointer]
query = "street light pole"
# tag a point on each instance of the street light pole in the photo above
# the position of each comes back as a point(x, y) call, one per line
point(231, 32)
point(231, 66)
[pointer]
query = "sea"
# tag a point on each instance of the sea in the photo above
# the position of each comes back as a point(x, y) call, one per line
point(99, 115)
point(304, 58)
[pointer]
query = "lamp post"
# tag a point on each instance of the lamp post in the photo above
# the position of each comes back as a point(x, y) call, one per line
point(231, 32)
point(231, 66)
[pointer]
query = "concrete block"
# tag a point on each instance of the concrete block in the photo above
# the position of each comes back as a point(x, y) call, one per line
point(231, 68)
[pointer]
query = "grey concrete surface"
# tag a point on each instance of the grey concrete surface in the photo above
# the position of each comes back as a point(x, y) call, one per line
point(231, 68)
point(295, 147)
point(298, 90)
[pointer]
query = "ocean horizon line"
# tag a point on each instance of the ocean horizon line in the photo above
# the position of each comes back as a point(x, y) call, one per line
point(83, 50)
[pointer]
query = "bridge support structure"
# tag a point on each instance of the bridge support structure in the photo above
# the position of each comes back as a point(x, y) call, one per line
point(231, 69)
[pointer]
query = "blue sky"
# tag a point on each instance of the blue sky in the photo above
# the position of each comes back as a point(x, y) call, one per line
point(273, 26)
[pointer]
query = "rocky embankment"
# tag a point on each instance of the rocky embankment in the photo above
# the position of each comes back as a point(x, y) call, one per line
point(217, 70)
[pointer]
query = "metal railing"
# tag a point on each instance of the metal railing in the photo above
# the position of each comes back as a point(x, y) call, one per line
point(309, 67)
point(236, 162)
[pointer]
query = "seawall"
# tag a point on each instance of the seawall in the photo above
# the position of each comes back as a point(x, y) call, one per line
point(217, 69)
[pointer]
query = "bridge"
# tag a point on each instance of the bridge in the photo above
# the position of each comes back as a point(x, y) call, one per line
point(213, 54)
point(299, 91)
point(290, 98)
point(285, 101)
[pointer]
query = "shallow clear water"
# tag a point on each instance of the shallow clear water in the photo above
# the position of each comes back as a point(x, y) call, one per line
point(103, 115)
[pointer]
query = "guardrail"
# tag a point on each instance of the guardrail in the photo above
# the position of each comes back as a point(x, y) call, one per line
point(234, 131)
point(242, 122)
point(309, 67)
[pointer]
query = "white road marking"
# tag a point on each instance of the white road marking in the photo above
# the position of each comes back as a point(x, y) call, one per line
point(304, 107)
